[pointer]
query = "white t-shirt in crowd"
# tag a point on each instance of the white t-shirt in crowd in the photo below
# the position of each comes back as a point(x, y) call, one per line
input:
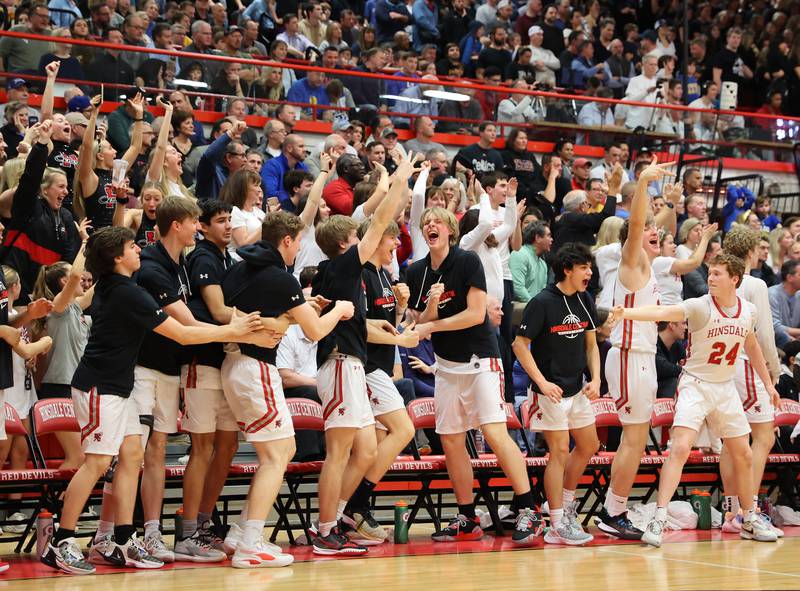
point(249, 220)
point(310, 254)
point(669, 284)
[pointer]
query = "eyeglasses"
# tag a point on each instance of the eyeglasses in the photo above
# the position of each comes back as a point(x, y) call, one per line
point(240, 154)
point(42, 14)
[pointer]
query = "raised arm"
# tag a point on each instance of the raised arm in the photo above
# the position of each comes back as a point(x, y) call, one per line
point(475, 237)
point(684, 266)
point(418, 195)
point(667, 217)
point(137, 104)
point(27, 191)
point(648, 314)
point(68, 293)
point(371, 204)
point(315, 194)
point(49, 89)
point(386, 210)
point(86, 175)
point(160, 151)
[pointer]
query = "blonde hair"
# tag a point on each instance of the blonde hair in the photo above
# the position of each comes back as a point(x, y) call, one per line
point(687, 227)
point(740, 241)
point(775, 245)
point(12, 172)
point(608, 232)
point(163, 182)
point(444, 216)
point(58, 33)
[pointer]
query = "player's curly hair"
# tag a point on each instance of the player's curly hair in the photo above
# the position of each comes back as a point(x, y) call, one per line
point(740, 241)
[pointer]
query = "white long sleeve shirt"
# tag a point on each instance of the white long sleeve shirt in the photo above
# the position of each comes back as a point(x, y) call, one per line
point(639, 90)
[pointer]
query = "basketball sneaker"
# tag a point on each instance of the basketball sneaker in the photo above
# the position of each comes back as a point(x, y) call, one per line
point(20, 521)
point(211, 538)
point(336, 543)
point(156, 547)
point(137, 556)
point(67, 557)
point(653, 532)
point(197, 548)
point(460, 529)
point(105, 551)
point(362, 528)
point(571, 517)
point(4, 566)
point(768, 521)
point(261, 555)
point(529, 525)
point(756, 529)
point(732, 523)
point(618, 526)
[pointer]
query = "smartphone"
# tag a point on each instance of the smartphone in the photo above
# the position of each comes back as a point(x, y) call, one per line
point(32, 120)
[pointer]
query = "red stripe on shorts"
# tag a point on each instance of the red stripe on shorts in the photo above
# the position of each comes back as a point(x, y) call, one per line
point(337, 390)
point(749, 386)
point(269, 399)
point(94, 415)
point(623, 379)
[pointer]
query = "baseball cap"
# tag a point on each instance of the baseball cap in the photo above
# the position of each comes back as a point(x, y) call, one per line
point(16, 83)
point(581, 162)
point(650, 35)
point(78, 103)
point(235, 29)
point(76, 118)
point(341, 125)
point(535, 30)
point(388, 131)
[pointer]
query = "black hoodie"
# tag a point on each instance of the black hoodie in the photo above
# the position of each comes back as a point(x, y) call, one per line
point(555, 323)
point(168, 282)
point(122, 315)
point(260, 283)
point(207, 265)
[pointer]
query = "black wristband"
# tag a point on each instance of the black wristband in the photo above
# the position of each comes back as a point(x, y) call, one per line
point(135, 120)
point(123, 200)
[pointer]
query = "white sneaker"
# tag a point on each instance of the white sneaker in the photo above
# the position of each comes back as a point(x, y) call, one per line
point(154, 544)
point(21, 519)
point(197, 549)
point(137, 556)
point(568, 535)
point(757, 530)
point(768, 521)
point(653, 533)
point(260, 556)
point(105, 551)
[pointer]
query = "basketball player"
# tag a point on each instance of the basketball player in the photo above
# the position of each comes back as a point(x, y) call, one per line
point(720, 324)
point(351, 445)
point(386, 305)
point(250, 380)
point(555, 345)
point(742, 242)
point(448, 288)
point(630, 364)
point(108, 415)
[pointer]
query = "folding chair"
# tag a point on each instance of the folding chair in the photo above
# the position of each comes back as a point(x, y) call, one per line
point(663, 415)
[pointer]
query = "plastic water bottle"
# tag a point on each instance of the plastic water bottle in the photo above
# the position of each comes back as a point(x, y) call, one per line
point(44, 531)
point(480, 442)
point(179, 522)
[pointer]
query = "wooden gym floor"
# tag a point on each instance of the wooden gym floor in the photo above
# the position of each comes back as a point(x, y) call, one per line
point(688, 561)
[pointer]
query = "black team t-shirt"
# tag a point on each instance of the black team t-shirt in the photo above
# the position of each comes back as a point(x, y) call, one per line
point(65, 157)
point(167, 282)
point(555, 323)
point(460, 271)
point(261, 283)
point(206, 265)
point(122, 315)
point(6, 368)
point(101, 204)
point(340, 279)
point(380, 306)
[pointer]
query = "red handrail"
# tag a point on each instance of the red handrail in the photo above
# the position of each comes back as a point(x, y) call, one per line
point(359, 74)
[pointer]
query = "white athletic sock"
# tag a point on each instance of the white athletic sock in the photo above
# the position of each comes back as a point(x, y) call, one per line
point(325, 528)
point(750, 516)
point(104, 529)
point(243, 516)
point(732, 503)
point(567, 496)
point(340, 509)
point(253, 531)
point(615, 504)
point(555, 517)
point(151, 527)
point(661, 514)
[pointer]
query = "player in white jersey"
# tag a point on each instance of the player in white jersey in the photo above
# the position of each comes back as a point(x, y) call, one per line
point(720, 325)
point(630, 365)
point(742, 242)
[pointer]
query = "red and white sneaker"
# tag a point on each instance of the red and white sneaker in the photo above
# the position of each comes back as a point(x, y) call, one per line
point(460, 529)
point(260, 556)
point(4, 566)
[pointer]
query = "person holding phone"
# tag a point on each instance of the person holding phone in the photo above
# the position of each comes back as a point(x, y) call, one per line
point(17, 123)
